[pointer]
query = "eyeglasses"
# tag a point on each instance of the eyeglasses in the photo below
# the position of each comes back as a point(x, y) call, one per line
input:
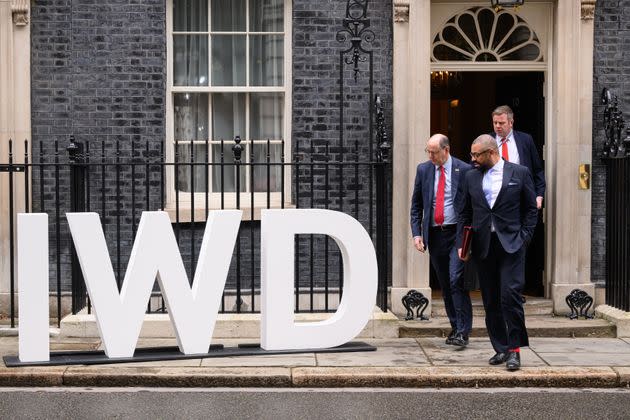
point(432, 152)
point(475, 155)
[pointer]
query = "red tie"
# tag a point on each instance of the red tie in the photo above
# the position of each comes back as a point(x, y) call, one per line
point(504, 149)
point(439, 199)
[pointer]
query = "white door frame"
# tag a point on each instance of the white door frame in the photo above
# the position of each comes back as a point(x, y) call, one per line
point(568, 100)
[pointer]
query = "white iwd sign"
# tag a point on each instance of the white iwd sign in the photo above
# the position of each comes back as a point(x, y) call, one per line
point(193, 309)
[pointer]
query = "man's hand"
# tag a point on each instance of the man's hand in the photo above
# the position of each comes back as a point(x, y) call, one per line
point(539, 202)
point(459, 253)
point(419, 243)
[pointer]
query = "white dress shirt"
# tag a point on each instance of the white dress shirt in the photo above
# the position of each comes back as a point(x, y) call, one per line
point(449, 212)
point(512, 149)
point(492, 181)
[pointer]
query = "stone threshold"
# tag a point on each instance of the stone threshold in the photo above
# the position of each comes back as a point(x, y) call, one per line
point(537, 326)
point(310, 377)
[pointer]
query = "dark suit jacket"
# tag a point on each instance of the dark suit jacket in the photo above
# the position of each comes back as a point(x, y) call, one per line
point(528, 156)
point(514, 213)
point(423, 192)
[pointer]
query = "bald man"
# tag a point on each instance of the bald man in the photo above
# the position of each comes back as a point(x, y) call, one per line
point(434, 209)
point(499, 202)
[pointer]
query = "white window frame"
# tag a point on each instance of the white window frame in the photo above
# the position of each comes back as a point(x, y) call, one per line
point(214, 198)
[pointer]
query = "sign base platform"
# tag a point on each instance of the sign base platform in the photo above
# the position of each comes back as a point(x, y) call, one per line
point(156, 354)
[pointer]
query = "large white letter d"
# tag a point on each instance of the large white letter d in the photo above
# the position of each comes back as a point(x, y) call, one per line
point(278, 328)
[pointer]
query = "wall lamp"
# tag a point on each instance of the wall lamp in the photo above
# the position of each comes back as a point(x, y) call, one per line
point(502, 4)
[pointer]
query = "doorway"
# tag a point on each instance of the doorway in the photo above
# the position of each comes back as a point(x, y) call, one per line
point(461, 107)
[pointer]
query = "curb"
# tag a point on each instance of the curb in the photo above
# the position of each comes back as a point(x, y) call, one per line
point(316, 377)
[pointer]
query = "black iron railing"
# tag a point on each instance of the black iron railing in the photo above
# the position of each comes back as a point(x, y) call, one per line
point(616, 155)
point(618, 232)
point(120, 185)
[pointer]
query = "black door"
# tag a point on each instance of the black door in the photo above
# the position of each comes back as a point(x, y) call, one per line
point(524, 94)
point(461, 108)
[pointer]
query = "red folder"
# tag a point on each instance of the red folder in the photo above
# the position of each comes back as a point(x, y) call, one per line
point(467, 239)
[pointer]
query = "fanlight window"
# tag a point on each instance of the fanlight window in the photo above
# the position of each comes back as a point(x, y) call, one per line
point(481, 34)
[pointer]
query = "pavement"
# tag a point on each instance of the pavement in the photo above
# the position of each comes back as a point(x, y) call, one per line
point(557, 362)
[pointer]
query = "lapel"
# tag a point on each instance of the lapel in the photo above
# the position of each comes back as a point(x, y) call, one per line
point(455, 174)
point(431, 186)
point(507, 175)
point(519, 146)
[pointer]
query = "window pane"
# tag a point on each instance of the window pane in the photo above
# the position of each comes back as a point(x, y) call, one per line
point(229, 169)
point(190, 60)
point(528, 52)
point(266, 116)
point(198, 153)
point(260, 172)
point(266, 15)
point(228, 115)
point(468, 26)
point(266, 60)
point(190, 15)
point(191, 116)
point(228, 15)
point(228, 60)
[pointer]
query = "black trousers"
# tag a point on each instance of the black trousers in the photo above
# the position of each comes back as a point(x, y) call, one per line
point(502, 278)
point(450, 273)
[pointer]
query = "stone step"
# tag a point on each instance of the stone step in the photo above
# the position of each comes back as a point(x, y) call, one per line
point(537, 326)
point(534, 306)
point(83, 325)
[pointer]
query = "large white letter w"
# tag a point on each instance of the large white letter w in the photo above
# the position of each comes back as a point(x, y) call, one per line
point(193, 311)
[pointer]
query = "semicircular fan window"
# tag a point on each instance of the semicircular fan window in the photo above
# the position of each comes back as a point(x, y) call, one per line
point(482, 34)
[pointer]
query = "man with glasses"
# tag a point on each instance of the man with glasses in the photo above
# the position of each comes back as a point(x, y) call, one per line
point(434, 208)
point(499, 202)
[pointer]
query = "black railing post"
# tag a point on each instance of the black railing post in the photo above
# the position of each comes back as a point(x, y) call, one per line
point(77, 204)
point(237, 150)
point(11, 235)
point(382, 200)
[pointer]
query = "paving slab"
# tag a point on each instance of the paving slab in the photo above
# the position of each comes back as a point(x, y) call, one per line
point(74, 346)
point(8, 346)
point(388, 353)
point(176, 376)
point(391, 342)
point(476, 353)
point(586, 359)
point(445, 377)
point(579, 345)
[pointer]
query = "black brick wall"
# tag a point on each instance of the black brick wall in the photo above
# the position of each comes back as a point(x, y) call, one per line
point(316, 108)
point(611, 67)
point(98, 73)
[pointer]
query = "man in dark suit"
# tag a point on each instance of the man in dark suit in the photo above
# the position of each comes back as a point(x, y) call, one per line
point(518, 147)
point(499, 202)
point(434, 209)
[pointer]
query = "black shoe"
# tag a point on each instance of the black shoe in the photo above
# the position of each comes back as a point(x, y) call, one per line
point(460, 340)
point(513, 361)
point(451, 335)
point(498, 358)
